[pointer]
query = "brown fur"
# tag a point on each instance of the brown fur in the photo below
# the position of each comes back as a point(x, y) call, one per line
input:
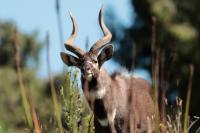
point(129, 96)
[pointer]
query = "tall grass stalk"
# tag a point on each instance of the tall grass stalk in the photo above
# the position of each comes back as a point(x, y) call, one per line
point(57, 6)
point(53, 91)
point(186, 119)
point(34, 114)
point(21, 83)
point(155, 73)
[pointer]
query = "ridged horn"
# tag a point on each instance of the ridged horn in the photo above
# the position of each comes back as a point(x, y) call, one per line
point(69, 44)
point(107, 35)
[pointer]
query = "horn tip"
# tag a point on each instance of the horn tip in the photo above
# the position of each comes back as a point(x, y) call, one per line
point(102, 6)
point(70, 14)
point(101, 10)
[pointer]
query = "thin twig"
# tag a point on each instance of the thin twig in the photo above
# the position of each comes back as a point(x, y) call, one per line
point(192, 124)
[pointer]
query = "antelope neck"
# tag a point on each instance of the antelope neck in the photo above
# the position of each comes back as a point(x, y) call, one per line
point(98, 88)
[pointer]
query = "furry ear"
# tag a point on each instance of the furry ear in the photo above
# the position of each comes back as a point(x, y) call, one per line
point(105, 54)
point(70, 60)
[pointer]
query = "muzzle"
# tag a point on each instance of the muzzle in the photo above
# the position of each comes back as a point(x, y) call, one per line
point(88, 71)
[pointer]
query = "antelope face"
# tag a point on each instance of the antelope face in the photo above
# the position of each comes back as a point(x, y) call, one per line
point(89, 62)
point(90, 67)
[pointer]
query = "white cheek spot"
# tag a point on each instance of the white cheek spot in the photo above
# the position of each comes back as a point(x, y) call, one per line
point(103, 122)
point(98, 94)
point(135, 76)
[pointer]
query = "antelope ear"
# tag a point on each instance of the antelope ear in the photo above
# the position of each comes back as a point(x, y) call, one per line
point(69, 59)
point(105, 54)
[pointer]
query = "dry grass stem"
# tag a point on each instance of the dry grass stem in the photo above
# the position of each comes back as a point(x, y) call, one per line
point(21, 83)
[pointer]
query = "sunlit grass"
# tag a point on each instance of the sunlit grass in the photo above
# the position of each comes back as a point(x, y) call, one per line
point(76, 116)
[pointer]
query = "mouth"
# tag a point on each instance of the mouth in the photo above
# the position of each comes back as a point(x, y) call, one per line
point(88, 76)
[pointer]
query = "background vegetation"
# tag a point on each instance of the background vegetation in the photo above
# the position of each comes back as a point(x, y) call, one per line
point(177, 39)
point(165, 32)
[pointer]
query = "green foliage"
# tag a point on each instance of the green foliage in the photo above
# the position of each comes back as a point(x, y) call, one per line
point(30, 46)
point(76, 117)
point(11, 110)
point(76, 113)
point(2, 127)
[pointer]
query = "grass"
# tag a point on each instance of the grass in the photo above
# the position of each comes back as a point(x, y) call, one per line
point(185, 127)
point(76, 114)
point(155, 74)
point(21, 83)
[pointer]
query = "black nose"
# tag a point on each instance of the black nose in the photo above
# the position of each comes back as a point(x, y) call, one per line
point(87, 67)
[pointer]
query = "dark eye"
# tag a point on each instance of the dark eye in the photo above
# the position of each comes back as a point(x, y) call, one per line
point(94, 60)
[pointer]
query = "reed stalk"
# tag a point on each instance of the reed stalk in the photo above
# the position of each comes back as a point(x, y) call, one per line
point(53, 91)
point(20, 81)
point(189, 91)
point(155, 73)
point(57, 6)
point(34, 115)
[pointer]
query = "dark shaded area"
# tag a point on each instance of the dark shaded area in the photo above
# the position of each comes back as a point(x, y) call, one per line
point(177, 40)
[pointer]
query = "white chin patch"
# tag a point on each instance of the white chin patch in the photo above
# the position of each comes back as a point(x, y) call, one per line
point(88, 77)
point(103, 122)
point(98, 94)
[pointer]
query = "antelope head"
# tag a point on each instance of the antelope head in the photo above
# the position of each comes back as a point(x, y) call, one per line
point(88, 62)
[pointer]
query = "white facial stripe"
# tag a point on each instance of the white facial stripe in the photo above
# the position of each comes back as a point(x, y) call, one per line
point(98, 94)
point(89, 62)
